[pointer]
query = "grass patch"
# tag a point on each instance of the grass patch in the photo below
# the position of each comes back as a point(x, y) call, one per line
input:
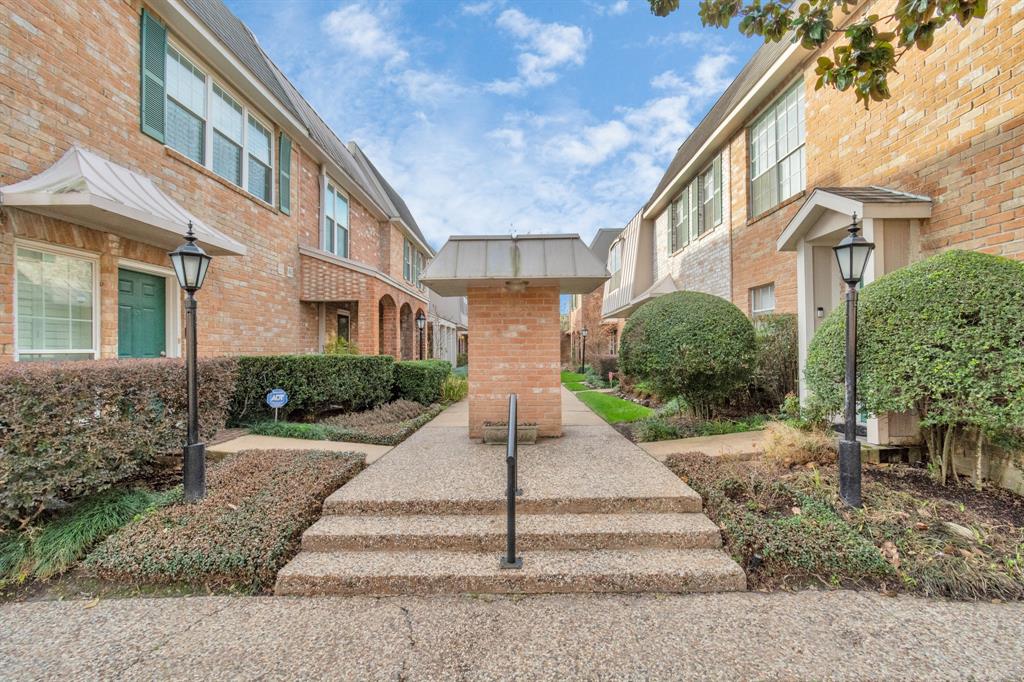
point(574, 377)
point(669, 425)
point(788, 529)
point(612, 408)
point(353, 428)
point(576, 386)
point(44, 552)
point(236, 539)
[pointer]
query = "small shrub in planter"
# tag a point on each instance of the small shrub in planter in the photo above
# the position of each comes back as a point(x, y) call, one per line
point(70, 429)
point(943, 338)
point(314, 383)
point(421, 380)
point(690, 344)
point(239, 536)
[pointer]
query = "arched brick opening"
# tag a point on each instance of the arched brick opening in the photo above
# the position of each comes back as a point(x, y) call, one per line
point(387, 334)
point(405, 330)
point(421, 337)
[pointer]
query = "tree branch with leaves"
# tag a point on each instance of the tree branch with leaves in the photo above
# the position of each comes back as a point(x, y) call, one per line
point(871, 47)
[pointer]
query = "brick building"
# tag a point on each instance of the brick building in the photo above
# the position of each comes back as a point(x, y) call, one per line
point(758, 194)
point(119, 123)
point(585, 309)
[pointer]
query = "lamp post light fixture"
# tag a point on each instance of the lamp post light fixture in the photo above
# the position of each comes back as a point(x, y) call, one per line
point(852, 253)
point(583, 354)
point(190, 266)
point(421, 323)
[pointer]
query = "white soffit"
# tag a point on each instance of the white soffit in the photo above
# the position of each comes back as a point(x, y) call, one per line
point(86, 189)
point(536, 259)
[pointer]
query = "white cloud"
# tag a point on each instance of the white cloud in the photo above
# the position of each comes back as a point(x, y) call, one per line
point(593, 146)
point(363, 32)
point(477, 9)
point(513, 138)
point(667, 80)
point(428, 87)
point(711, 71)
point(544, 48)
point(679, 38)
point(617, 8)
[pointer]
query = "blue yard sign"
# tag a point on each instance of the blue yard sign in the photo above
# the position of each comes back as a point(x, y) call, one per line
point(277, 398)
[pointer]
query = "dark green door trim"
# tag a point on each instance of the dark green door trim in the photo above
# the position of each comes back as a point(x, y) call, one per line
point(141, 314)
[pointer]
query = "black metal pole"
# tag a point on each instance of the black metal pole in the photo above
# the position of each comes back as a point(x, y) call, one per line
point(583, 357)
point(195, 452)
point(510, 560)
point(849, 446)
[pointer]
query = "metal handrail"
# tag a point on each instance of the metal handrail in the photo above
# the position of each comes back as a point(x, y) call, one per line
point(510, 560)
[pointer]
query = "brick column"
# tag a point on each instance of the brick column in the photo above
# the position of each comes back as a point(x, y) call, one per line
point(514, 348)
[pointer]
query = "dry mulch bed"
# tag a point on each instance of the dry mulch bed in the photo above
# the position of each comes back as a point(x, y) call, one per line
point(787, 527)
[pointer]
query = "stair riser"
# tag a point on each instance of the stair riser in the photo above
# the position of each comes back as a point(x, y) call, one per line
point(525, 541)
point(551, 506)
point(508, 583)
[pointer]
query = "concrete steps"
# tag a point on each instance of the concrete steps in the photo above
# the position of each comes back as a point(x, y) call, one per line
point(484, 533)
point(339, 503)
point(544, 571)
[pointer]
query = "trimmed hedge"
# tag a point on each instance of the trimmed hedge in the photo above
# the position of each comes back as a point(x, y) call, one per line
point(257, 505)
point(70, 429)
point(314, 383)
point(421, 380)
point(692, 345)
point(605, 364)
point(379, 434)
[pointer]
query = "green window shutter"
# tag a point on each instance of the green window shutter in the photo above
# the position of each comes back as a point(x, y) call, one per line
point(153, 70)
point(284, 175)
point(719, 190)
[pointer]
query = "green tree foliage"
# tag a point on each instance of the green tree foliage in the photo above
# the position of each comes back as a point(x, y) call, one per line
point(692, 345)
point(872, 44)
point(943, 338)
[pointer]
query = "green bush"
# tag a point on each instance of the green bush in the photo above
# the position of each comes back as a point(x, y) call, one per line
point(454, 389)
point(341, 346)
point(257, 505)
point(461, 359)
point(605, 364)
point(776, 368)
point(314, 383)
point(943, 338)
point(71, 429)
point(689, 344)
point(421, 380)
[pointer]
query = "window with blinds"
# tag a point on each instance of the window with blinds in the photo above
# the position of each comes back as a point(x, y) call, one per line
point(777, 168)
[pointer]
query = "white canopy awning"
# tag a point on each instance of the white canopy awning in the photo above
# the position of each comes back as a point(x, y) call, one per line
point(86, 189)
point(538, 259)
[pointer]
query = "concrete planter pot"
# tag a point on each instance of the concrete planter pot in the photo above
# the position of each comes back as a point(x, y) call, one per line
point(496, 433)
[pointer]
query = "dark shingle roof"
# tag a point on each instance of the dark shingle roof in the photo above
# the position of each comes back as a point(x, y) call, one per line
point(241, 42)
point(752, 72)
point(394, 198)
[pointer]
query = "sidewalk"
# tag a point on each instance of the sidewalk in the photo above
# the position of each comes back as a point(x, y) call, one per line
point(735, 636)
point(254, 442)
point(734, 446)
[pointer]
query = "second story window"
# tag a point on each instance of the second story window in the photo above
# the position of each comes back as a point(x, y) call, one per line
point(186, 107)
point(260, 165)
point(698, 208)
point(777, 169)
point(615, 266)
point(335, 236)
point(407, 261)
point(228, 132)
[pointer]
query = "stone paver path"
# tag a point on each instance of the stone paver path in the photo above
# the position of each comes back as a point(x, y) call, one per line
point(734, 636)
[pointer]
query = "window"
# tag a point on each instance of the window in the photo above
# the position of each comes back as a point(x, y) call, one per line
point(209, 126)
point(613, 342)
point(407, 261)
point(56, 311)
point(698, 208)
point(777, 152)
point(421, 262)
point(762, 300)
point(615, 265)
point(335, 237)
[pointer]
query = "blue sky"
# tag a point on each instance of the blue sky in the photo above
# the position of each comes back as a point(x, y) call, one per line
point(491, 116)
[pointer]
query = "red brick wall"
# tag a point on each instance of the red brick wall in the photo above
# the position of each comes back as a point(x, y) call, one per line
point(514, 348)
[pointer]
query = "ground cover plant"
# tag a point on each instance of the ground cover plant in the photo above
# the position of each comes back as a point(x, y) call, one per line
point(387, 424)
point(944, 339)
point(672, 425)
point(788, 529)
point(454, 388)
point(72, 429)
point(611, 408)
point(236, 539)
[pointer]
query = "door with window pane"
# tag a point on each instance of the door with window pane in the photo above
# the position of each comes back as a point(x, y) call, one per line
point(141, 315)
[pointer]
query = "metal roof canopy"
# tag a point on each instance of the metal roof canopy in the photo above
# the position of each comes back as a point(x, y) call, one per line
point(533, 259)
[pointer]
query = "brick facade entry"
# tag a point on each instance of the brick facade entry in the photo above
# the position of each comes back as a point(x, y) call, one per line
point(514, 348)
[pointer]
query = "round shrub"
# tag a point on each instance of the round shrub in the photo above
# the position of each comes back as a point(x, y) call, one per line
point(689, 344)
point(943, 338)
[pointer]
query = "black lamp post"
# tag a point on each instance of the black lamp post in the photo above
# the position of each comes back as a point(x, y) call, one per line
point(583, 353)
point(421, 322)
point(190, 265)
point(852, 254)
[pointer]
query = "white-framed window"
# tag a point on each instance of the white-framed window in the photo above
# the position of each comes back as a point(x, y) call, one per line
point(56, 303)
point(421, 261)
point(615, 265)
point(407, 252)
point(777, 168)
point(335, 229)
point(762, 299)
point(208, 125)
point(698, 207)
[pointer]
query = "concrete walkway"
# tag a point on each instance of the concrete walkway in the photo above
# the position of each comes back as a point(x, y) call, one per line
point(736, 446)
point(735, 636)
point(254, 442)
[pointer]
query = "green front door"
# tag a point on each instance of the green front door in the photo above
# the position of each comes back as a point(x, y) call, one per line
point(141, 315)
